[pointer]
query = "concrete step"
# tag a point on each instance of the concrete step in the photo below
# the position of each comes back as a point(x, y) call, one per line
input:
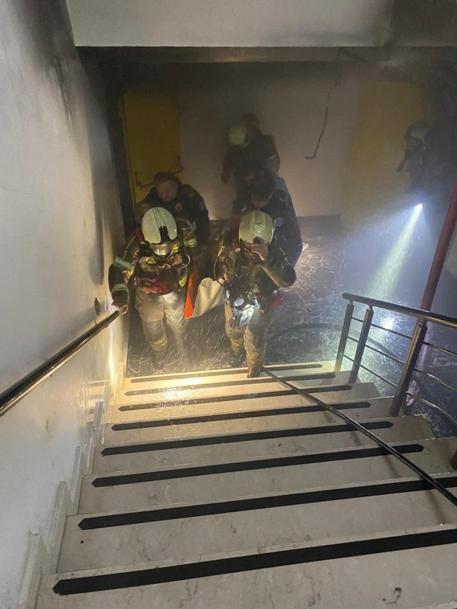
point(413, 570)
point(138, 399)
point(228, 447)
point(361, 392)
point(226, 376)
point(189, 538)
point(175, 486)
point(452, 605)
point(192, 423)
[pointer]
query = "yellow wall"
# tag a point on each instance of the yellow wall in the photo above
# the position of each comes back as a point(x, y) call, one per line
point(372, 184)
point(151, 129)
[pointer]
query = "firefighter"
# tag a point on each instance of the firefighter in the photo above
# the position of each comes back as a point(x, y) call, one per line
point(185, 204)
point(416, 139)
point(247, 146)
point(156, 265)
point(251, 267)
point(262, 194)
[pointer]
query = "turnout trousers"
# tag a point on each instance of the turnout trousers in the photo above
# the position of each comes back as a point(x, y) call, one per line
point(153, 309)
point(251, 336)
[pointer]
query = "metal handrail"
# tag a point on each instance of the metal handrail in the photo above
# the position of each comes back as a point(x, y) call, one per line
point(388, 355)
point(379, 376)
point(449, 418)
point(396, 332)
point(442, 349)
point(393, 358)
point(373, 325)
point(369, 434)
point(437, 379)
point(396, 308)
point(23, 386)
point(417, 341)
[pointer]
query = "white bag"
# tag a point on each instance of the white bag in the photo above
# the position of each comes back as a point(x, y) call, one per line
point(210, 294)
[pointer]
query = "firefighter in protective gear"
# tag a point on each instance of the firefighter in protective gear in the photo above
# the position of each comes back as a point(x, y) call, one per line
point(415, 154)
point(185, 204)
point(156, 264)
point(263, 195)
point(246, 147)
point(251, 267)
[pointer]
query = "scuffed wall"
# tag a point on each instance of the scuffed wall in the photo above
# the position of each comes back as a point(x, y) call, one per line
point(59, 222)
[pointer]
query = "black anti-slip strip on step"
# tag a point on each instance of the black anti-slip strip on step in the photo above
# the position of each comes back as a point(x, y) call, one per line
point(128, 449)
point(241, 466)
point(189, 401)
point(223, 372)
point(245, 381)
point(261, 503)
point(228, 416)
point(226, 398)
point(253, 562)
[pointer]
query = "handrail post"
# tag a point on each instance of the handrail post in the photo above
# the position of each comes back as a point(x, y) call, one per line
point(408, 369)
point(361, 346)
point(344, 335)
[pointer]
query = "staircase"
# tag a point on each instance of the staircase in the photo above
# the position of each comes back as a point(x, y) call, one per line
point(213, 491)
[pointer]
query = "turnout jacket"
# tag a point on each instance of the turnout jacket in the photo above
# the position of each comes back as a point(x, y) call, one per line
point(139, 267)
point(248, 280)
point(281, 210)
point(261, 151)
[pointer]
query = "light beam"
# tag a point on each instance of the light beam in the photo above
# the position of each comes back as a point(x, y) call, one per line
point(387, 277)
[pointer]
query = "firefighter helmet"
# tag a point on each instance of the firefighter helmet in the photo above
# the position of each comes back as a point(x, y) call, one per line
point(159, 230)
point(417, 131)
point(237, 135)
point(256, 225)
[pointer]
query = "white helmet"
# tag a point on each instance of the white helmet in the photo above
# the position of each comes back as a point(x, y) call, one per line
point(417, 131)
point(159, 229)
point(256, 225)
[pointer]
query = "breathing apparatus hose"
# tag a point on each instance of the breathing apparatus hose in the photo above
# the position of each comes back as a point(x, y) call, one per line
point(234, 287)
point(216, 260)
point(356, 425)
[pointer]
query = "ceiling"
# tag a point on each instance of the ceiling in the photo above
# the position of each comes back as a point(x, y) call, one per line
point(230, 23)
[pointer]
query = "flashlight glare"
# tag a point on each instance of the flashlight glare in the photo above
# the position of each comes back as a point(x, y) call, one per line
point(386, 280)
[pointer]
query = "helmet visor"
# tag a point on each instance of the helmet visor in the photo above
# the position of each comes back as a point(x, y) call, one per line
point(162, 249)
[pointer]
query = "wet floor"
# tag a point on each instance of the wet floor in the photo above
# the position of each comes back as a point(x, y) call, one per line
point(307, 328)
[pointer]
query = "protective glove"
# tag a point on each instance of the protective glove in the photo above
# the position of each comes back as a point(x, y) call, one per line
point(260, 250)
point(121, 300)
point(257, 250)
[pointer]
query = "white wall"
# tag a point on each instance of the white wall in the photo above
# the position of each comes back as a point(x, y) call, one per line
point(250, 23)
point(58, 217)
point(290, 102)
